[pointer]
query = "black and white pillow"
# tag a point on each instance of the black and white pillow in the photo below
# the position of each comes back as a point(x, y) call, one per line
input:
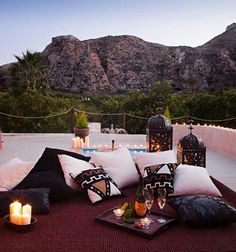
point(161, 175)
point(98, 184)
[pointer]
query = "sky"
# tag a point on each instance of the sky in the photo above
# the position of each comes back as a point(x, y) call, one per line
point(31, 24)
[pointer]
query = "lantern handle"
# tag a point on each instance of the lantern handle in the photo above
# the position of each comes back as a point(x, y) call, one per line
point(159, 109)
point(190, 125)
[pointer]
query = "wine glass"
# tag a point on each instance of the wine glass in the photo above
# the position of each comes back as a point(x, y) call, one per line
point(149, 198)
point(161, 194)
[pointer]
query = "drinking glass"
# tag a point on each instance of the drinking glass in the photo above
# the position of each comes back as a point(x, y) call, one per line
point(149, 198)
point(161, 195)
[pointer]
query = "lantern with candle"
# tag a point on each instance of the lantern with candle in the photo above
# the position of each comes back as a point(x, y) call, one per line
point(191, 150)
point(159, 133)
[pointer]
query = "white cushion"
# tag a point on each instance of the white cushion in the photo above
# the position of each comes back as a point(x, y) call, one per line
point(146, 159)
point(118, 164)
point(13, 172)
point(191, 180)
point(74, 166)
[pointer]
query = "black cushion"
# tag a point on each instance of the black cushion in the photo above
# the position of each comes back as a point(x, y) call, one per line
point(52, 179)
point(203, 210)
point(37, 198)
point(49, 160)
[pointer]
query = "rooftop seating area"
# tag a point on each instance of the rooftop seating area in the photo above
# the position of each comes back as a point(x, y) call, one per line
point(78, 226)
point(220, 144)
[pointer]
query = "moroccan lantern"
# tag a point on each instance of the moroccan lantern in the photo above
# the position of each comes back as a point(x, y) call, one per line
point(191, 150)
point(159, 133)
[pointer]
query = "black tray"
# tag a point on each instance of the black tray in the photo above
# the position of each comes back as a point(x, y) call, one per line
point(154, 229)
point(20, 228)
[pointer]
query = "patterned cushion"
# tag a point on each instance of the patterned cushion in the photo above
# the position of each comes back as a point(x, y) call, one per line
point(161, 175)
point(202, 210)
point(98, 184)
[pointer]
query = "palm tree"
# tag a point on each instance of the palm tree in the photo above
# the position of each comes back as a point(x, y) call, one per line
point(29, 74)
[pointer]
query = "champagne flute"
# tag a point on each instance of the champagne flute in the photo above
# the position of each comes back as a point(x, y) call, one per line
point(149, 198)
point(161, 193)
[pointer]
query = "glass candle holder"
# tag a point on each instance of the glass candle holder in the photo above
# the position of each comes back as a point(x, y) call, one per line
point(118, 212)
point(145, 222)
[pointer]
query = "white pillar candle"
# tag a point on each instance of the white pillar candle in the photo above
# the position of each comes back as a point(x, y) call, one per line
point(74, 143)
point(87, 142)
point(15, 208)
point(15, 218)
point(27, 209)
point(81, 143)
point(25, 219)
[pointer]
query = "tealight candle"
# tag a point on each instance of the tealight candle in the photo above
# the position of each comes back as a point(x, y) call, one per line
point(118, 212)
point(145, 222)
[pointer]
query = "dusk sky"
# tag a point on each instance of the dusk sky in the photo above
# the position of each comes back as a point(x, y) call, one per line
point(30, 24)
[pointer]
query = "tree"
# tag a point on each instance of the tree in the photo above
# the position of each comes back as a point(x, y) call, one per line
point(193, 83)
point(29, 74)
point(160, 93)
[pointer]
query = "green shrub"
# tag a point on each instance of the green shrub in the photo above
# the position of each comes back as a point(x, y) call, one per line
point(81, 120)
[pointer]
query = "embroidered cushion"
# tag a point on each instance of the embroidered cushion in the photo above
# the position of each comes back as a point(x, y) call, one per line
point(146, 159)
point(161, 175)
point(98, 185)
point(74, 166)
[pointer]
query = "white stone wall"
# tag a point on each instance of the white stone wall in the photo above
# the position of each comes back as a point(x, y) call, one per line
point(217, 139)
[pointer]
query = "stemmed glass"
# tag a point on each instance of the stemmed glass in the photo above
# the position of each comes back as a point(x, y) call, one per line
point(161, 194)
point(149, 198)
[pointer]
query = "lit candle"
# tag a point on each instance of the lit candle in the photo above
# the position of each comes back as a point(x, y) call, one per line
point(27, 209)
point(87, 142)
point(25, 219)
point(118, 212)
point(74, 143)
point(20, 215)
point(145, 222)
point(81, 143)
point(15, 218)
point(78, 142)
point(15, 207)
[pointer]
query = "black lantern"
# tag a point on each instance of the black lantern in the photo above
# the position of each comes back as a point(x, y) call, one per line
point(191, 150)
point(159, 133)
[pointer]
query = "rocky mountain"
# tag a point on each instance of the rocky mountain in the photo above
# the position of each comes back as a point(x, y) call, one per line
point(118, 64)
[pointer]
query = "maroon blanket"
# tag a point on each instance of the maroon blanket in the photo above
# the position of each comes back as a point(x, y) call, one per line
point(71, 226)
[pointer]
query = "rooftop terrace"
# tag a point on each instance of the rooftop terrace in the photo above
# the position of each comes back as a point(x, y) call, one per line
point(220, 143)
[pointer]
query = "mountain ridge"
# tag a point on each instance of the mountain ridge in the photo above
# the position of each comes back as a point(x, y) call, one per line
point(119, 64)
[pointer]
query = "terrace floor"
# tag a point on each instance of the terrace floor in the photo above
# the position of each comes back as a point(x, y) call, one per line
point(29, 147)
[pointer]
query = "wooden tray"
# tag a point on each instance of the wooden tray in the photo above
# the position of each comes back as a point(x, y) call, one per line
point(154, 229)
